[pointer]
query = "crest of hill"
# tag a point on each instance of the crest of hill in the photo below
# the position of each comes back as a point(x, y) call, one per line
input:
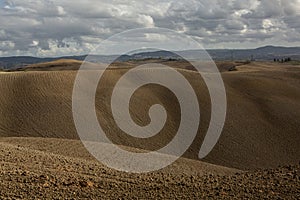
point(72, 64)
point(61, 64)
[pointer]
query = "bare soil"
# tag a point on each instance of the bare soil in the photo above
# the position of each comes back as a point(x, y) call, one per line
point(257, 155)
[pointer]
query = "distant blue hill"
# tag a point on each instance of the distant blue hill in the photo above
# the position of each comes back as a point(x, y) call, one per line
point(266, 53)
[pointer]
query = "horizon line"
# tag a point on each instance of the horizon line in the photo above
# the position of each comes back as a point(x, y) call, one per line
point(206, 49)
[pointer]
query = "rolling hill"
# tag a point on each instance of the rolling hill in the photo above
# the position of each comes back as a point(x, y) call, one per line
point(42, 156)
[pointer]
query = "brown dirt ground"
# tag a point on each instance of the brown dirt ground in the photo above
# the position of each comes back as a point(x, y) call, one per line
point(41, 156)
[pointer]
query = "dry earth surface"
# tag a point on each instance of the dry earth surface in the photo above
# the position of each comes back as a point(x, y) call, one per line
point(257, 155)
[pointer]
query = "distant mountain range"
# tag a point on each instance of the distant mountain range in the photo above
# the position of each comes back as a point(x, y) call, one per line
point(266, 53)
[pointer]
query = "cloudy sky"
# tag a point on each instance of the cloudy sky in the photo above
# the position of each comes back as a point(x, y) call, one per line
point(64, 27)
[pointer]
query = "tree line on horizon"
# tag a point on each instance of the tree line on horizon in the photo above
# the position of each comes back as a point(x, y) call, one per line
point(282, 60)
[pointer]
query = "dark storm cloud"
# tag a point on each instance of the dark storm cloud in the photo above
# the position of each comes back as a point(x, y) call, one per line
point(54, 27)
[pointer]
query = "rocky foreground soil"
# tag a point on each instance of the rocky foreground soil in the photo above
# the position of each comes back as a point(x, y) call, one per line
point(281, 183)
point(33, 174)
